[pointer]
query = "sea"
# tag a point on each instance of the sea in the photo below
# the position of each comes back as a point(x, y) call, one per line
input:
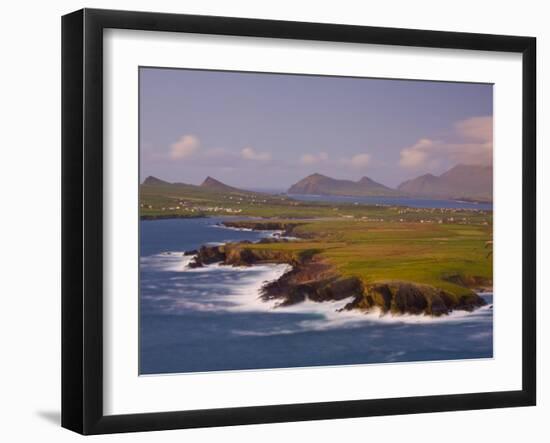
point(212, 319)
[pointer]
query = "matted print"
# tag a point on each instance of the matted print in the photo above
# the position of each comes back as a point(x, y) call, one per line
point(298, 221)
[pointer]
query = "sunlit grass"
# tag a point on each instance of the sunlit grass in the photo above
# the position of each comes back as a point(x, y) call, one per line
point(419, 245)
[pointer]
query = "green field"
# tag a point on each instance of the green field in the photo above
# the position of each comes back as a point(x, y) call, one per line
point(439, 255)
point(445, 248)
point(179, 200)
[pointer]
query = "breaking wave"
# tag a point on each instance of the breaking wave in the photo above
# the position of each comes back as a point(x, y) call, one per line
point(220, 288)
point(166, 261)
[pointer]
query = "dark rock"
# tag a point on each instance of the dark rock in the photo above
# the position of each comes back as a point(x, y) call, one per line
point(470, 302)
point(409, 299)
point(207, 255)
point(380, 296)
point(337, 289)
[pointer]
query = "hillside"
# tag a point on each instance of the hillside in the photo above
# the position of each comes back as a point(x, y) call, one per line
point(162, 199)
point(318, 184)
point(216, 185)
point(210, 185)
point(461, 181)
point(154, 181)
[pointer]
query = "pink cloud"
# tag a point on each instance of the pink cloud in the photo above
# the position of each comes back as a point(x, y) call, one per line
point(312, 159)
point(186, 146)
point(469, 142)
point(358, 161)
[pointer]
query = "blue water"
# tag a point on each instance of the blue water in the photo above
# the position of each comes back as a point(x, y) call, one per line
point(395, 201)
point(210, 319)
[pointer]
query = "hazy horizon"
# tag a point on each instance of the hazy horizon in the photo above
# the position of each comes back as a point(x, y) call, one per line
point(268, 131)
point(282, 188)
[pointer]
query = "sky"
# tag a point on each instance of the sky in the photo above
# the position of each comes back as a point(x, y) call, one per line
point(268, 131)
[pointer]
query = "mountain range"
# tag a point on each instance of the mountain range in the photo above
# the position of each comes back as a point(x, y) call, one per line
point(470, 182)
point(319, 184)
point(209, 184)
point(216, 185)
point(459, 182)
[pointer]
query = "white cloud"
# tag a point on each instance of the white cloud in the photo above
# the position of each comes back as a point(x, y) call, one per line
point(417, 154)
point(470, 142)
point(186, 146)
point(251, 154)
point(312, 159)
point(358, 161)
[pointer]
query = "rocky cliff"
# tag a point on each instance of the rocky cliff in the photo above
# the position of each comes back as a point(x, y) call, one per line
point(313, 278)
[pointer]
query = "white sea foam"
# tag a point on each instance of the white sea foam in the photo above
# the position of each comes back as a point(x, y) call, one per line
point(328, 315)
point(246, 296)
point(231, 228)
point(166, 261)
point(216, 289)
point(278, 234)
point(241, 293)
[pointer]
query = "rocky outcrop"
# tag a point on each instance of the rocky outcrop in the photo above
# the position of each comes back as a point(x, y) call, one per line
point(312, 278)
point(317, 282)
point(400, 297)
point(207, 255)
point(237, 254)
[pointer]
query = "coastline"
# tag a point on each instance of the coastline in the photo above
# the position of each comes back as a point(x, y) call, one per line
point(169, 216)
point(311, 278)
point(221, 305)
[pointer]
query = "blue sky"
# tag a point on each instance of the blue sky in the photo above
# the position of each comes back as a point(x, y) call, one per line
point(270, 130)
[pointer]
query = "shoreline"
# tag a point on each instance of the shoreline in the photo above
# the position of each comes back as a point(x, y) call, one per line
point(396, 197)
point(170, 216)
point(313, 279)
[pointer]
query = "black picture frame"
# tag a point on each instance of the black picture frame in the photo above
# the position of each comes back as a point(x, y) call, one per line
point(82, 218)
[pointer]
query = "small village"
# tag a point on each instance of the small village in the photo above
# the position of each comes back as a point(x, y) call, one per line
point(406, 214)
point(196, 209)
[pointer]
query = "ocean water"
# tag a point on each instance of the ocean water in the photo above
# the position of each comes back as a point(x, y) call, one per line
point(396, 201)
point(211, 318)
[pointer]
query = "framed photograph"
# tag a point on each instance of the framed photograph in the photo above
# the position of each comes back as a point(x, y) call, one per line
point(268, 221)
